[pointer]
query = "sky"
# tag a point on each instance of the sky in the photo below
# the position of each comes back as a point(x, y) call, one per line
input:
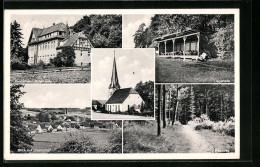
point(130, 25)
point(56, 95)
point(131, 69)
point(27, 22)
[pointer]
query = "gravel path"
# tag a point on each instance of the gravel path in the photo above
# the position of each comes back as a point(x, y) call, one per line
point(197, 142)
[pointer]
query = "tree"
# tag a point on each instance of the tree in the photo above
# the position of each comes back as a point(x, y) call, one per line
point(164, 106)
point(44, 117)
point(104, 31)
point(218, 30)
point(16, 41)
point(64, 58)
point(146, 91)
point(19, 139)
point(159, 110)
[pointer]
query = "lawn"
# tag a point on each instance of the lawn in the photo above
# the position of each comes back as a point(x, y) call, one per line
point(179, 71)
point(52, 77)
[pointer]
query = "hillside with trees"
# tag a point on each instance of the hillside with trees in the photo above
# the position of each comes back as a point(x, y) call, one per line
point(104, 31)
point(218, 29)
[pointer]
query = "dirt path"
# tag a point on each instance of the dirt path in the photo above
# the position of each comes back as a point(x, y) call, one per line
point(197, 142)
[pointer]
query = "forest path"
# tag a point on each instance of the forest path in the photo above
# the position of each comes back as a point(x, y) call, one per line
point(197, 142)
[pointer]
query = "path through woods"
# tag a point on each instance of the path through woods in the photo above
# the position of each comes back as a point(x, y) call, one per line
point(198, 144)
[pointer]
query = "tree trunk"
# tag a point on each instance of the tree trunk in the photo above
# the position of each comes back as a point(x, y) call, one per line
point(159, 112)
point(169, 107)
point(193, 112)
point(175, 106)
point(207, 95)
point(221, 104)
point(164, 107)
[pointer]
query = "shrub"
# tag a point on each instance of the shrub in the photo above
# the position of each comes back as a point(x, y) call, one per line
point(85, 145)
point(18, 65)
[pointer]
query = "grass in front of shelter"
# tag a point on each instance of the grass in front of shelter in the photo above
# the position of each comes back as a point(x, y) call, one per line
point(177, 71)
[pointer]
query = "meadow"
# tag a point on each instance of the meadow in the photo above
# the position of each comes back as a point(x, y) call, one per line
point(78, 76)
point(179, 71)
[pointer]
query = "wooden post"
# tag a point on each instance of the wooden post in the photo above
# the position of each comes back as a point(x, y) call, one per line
point(184, 47)
point(173, 41)
point(159, 111)
point(198, 44)
point(165, 48)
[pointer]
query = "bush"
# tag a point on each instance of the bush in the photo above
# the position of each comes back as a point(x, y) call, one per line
point(18, 65)
point(227, 127)
point(83, 144)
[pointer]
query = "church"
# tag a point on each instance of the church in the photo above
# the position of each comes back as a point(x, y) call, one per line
point(121, 99)
point(45, 44)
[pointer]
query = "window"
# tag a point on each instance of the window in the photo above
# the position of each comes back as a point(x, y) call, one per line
point(88, 53)
point(81, 53)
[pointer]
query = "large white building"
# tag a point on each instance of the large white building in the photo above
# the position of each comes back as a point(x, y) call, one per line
point(121, 99)
point(45, 44)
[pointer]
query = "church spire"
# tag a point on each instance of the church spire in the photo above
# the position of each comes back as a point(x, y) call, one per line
point(114, 85)
point(114, 79)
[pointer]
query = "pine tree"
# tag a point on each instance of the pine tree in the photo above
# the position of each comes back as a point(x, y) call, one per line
point(19, 139)
point(16, 41)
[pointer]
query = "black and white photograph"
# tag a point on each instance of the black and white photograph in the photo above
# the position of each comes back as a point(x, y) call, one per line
point(189, 119)
point(51, 119)
point(122, 84)
point(189, 48)
point(51, 48)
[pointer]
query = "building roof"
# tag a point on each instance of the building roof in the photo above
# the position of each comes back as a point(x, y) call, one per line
point(99, 101)
point(70, 40)
point(36, 32)
point(53, 28)
point(174, 35)
point(120, 95)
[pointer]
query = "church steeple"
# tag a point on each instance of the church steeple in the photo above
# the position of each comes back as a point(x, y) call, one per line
point(114, 85)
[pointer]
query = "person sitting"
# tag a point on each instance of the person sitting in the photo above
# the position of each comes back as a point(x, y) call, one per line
point(203, 57)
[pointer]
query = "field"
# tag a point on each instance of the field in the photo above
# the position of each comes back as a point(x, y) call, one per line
point(177, 71)
point(52, 77)
point(44, 142)
point(142, 138)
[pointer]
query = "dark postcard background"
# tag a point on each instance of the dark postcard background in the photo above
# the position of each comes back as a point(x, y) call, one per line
point(246, 156)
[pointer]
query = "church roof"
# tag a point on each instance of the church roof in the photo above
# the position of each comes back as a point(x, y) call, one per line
point(114, 79)
point(120, 95)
